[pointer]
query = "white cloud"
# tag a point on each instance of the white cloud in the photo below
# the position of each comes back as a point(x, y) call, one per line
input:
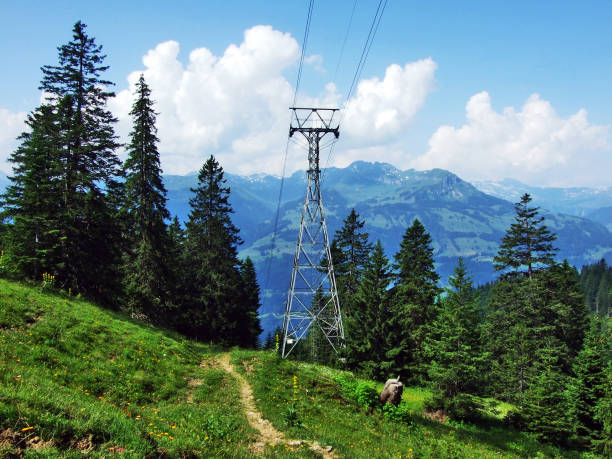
point(316, 61)
point(11, 125)
point(234, 106)
point(382, 108)
point(534, 145)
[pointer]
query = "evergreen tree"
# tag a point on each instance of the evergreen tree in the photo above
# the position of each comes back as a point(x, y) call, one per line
point(350, 250)
point(510, 341)
point(268, 343)
point(146, 269)
point(413, 306)
point(591, 279)
point(589, 385)
point(457, 360)
point(32, 201)
point(251, 329)
point(566, 310)
point(535, 326)
point(545, 406)
point(528, 242)
point(86, 168)
point(211, 303)
point(367, 328)
point(176, 256)
point(603, 414)
point(527, 321)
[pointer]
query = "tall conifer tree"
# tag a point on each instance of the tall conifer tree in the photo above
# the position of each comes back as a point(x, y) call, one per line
point(589, 386)
point(32, 201)
point(527, 245)
point(535, 325)
point(250, 303)
point(457, 361)
point(414, 301)
point(213, 310)
point(350, 251)
point(90, 165)
point(86, 167)
point(367, 328)
point(147, 273)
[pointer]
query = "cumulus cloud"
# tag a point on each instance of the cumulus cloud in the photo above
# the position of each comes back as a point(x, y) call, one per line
point(234, 106)
point(11, 125)
point(316, 61)
point(382, 108)
point(534, 145)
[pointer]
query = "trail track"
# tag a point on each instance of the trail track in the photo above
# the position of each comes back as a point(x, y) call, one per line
point(267, 434)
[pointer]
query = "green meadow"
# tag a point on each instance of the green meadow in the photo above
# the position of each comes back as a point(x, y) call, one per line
point(77, 380)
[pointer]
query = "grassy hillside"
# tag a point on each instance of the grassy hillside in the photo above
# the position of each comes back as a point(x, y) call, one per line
point(328, 410)
point(79, 380)
point(76, 379)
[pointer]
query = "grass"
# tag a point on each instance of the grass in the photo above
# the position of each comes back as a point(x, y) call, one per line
point(76, 379)
point(328, 416)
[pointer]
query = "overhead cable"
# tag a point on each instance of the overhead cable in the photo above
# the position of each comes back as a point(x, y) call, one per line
point(382, 4)
point(282, 183)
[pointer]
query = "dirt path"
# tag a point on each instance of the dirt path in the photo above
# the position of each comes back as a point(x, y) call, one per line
point(266, 432)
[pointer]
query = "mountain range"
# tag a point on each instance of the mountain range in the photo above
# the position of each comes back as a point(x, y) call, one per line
point(592, 203)
point(464, 220)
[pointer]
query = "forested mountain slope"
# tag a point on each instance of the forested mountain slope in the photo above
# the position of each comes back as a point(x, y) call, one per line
point(462, 220)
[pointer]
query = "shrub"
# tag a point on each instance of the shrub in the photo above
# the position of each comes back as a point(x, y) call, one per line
point(362, 393)
point(399, 413)
point(366, 395)
point(461, 407)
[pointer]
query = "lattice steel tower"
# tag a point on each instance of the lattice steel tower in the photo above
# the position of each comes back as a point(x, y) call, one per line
point(313, 270)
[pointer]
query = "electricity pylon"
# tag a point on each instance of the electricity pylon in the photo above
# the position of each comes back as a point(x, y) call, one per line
point(313, 270)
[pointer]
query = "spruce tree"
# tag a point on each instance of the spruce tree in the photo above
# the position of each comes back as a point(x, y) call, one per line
point(413, 307)
point(535, 326)
point(546, 406)
point(147, 273)
point(589, 385)
point(88, 168)
point(597, 296)
point(175, 261)
point(251, 328)
point(566, 310)
point(32, 201)
point(350, 251)
point(367, 328)
point(527, 245)
point(212, 309)
point(603, 414)
point(457, 359)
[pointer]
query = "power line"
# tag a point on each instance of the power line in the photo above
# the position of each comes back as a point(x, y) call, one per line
point(367, 45)
point(304, 43)
point(382, 4)
point(348, 29)
point(282, 183)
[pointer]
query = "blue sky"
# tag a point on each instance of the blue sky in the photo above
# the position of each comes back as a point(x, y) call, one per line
point(485, 89)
